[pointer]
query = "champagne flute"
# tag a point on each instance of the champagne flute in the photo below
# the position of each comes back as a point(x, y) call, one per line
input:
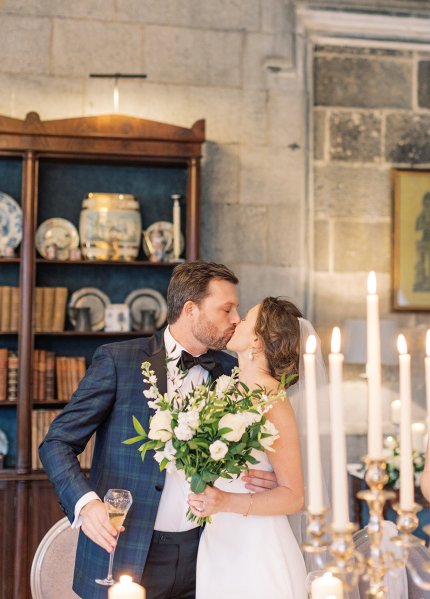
point(117, 502)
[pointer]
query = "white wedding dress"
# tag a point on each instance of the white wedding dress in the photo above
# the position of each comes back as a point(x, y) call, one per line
point(249, 558)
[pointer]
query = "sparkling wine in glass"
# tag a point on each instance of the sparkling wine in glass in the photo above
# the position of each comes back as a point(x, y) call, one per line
point(117, 502)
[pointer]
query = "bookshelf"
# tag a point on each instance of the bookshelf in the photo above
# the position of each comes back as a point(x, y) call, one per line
point(49, 167)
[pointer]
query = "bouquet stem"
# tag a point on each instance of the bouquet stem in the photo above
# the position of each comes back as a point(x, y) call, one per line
point(200, 520)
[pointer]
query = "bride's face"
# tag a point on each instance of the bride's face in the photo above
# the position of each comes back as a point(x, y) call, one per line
point(244, 334)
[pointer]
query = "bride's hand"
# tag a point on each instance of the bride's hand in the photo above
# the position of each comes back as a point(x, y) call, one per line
point(211, 501)
point(259, 480)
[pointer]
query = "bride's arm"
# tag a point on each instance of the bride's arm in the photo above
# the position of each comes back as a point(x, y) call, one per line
point(286, 498)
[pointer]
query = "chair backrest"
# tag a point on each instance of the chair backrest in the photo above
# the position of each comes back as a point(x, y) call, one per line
point(419, 559)
point(53, 563)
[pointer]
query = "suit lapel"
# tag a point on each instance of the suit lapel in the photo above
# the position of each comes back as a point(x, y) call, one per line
point(156, 356)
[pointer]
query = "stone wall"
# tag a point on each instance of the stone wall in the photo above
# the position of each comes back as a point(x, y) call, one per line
point(371, 113)
point(203, 60)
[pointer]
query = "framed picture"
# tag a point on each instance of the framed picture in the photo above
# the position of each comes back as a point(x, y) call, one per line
point(411, 240)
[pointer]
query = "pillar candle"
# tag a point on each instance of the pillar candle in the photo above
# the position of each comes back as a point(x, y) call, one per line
point(395, 411)
point(374, 449)
point(325, 586)
point(176, 227)
point(427, 375)
point(406, 467)
point(126, 589)
point(313, 434)
point(418, 431)
point(338, 444)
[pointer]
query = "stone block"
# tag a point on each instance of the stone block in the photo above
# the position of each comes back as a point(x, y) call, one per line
point(362, 83)
point(102, 10)
point(342, 191)
point(26, 44)
point(257, 282)
point(338, 296)
point(286, 121)
point(83, 47)
point(233, 233)
point(253, 118)
point(220, 173)
point(361, 51)
point(320, 119)
point(257, 46)
point(269, 177)
point(193, 56)
point(51, 97)
point(424, 84)
point(285, 243)
point(321, 245)
point(361, 246)
point(210, 14)
point(407, 138)
point(355, 136)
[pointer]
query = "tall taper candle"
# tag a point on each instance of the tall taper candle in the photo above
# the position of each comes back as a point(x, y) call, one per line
point(313, 435)
point(406, 467)
point(338, 443)
point(176, 226)
point(374, 449)
point(427, 374)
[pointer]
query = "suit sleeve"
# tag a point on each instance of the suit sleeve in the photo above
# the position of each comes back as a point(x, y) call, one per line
point(71, 430)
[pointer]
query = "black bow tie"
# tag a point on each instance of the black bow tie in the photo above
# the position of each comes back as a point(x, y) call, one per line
point(187, 361)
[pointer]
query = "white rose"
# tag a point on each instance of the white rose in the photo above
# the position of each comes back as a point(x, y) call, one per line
point(183, 432)
point(218, 450)
point(150, 393)
point(160, 428)
point(237, 424)
point(390, 442)
point(251, 417)
point(169, 451)
point(222, 384)
point(193, 419)
point(270, 429)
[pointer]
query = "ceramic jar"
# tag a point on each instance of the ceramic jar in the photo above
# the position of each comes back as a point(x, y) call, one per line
point(110, 227)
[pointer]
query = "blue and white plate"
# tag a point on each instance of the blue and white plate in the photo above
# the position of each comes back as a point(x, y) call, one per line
point(10, 221)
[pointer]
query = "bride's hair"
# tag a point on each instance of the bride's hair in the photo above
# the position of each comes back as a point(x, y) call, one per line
point(278, 327)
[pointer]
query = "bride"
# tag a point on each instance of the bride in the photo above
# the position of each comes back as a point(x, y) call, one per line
point(249, 550)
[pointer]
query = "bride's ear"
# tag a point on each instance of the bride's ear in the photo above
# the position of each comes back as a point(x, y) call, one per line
point(256, 343)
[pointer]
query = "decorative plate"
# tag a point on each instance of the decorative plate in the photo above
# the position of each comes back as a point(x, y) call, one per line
point(60, 232)
point(10, 221)
point(4, 445)
point(95, 300)
point(164, 230)
point(146, 299)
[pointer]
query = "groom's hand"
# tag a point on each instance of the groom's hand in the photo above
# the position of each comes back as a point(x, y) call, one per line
point(259, 480)
point(96, 525)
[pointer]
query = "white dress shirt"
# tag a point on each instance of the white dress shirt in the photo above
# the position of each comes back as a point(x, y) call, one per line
point(171, 515)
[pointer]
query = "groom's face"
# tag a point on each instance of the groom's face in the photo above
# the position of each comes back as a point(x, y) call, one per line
point(215, 318)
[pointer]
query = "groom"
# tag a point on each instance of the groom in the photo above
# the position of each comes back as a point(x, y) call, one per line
point(159, 546)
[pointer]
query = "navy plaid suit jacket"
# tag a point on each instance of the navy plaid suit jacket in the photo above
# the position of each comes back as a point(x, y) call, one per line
point(110, 393)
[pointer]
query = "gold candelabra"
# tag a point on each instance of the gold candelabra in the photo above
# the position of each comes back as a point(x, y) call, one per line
point(346, 561)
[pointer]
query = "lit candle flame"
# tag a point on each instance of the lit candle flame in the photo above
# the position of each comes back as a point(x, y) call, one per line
point(428, 342)
point(335, 341)
point(371, 283)
point(402, 346)
point(311, 344)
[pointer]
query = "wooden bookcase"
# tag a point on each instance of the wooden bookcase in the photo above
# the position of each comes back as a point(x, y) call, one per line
point(48, 168)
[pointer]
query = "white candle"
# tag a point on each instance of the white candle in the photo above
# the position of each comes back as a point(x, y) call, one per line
point(374, 449)
point(418, 431)
point(338, 444)
point(126, 589)
point(406, 469)
point(395, 411)
point(313, 434)
point(176, 227)
point(325, 586)
point(427, 375)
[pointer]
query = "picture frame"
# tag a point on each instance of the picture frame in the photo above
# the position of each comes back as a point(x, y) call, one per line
point(411, 240)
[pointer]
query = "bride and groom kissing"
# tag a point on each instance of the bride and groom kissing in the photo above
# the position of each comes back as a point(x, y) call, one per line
point(249, 549)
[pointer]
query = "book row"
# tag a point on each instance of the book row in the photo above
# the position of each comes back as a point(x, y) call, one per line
point(50, 308)
point(55, 378)
point(40, 422)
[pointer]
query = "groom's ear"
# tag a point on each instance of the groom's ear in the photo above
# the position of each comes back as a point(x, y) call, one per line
point(189, 308)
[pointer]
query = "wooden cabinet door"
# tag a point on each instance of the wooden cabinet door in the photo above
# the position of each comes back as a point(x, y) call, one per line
point(7, 537)
point(44, 513)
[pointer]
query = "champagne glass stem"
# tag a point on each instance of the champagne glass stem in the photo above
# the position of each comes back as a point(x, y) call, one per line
point(111, 556)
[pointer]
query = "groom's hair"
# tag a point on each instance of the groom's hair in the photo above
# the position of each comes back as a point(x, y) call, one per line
point(190, 282)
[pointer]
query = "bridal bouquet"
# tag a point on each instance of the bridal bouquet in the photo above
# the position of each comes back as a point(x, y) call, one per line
point(209, 433)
